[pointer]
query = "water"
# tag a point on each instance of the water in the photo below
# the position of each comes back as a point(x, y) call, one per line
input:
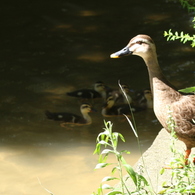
point(50, 48)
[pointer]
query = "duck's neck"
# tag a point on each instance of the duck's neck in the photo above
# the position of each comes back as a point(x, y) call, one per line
point(108, 106)
point(87, 118)
point(103, 94)
point(155, 73)
point(127, 98)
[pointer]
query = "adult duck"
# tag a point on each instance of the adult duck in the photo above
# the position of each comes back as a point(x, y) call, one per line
point(69, 118)
point(99, 91)
point(166, 96)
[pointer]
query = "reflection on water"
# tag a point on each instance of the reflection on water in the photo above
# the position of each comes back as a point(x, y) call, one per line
point(51, 48)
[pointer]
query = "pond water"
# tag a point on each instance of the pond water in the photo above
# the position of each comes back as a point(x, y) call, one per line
point(50, 48)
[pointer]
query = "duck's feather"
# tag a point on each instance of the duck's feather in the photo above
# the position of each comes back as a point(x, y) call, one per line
point(85, 94)
point(65, 117)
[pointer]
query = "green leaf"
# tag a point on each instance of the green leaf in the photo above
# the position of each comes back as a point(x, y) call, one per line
point(172, 38)
point(106, 186)
point(102, 136)
point(123, 160)
point(188, 90)
point(143, 179)
point(170, 32)
point(165, 33)
point(108, 178)
point(115, 169)
point(115, 139)
point(102, 142)
point(114, 192)
point(107, 151)
point(162, 171)
point(100, 191)
point(101, 165)
point(126, 151)
point(121, 137)
point(102, 158)
point(97, 149)
point(131, 173)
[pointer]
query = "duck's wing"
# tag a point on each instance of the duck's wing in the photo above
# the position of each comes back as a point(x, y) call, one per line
point(184, 115)
point(63, 116)
point(84, 93)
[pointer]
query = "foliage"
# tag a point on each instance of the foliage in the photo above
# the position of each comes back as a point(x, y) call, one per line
point(183, 37)
point(182, 170)
point(188, 90)
point(182, 179)
point(109, 140)
point(188, 4)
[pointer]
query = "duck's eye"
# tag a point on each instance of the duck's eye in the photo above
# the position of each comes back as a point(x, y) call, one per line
point(139, 42)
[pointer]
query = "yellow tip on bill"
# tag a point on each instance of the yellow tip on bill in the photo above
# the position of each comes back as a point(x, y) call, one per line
point(113, 56)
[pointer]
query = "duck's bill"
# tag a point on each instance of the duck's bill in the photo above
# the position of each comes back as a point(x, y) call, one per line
point(123, 52)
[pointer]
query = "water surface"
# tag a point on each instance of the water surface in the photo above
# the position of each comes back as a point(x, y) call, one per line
point(49, 48)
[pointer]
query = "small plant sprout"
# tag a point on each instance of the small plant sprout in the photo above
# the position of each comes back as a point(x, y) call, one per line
point(109, 140)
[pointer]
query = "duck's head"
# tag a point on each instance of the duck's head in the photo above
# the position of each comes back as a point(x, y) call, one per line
point(140, 45)
point(99, 86)
point(148, 94)
point(85, 108)
point(109, 102)
point(125, 88)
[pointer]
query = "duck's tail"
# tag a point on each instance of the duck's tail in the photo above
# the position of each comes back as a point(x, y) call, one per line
point(50, 115)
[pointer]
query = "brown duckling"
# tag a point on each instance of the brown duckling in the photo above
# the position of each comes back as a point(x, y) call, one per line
point(110, 109)
point(144, 99)
point(122, 95)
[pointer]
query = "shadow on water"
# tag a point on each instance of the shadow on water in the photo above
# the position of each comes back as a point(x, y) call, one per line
point(50, 48)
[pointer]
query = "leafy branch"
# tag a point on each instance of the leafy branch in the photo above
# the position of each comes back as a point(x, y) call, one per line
point(188, 4)
point(183, 37)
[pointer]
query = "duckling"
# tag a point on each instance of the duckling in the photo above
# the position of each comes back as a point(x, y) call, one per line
point(166, 96)
point(110, 109)
point(123, 95)
point(69, 118)
point(144, 99)
point(99, 91)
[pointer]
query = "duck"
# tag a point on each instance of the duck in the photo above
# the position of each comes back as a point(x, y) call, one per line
point(144, 99)
point(112, 109)
point(70, 118)
point(166, 96)
point(99, 91)
point(122, 95)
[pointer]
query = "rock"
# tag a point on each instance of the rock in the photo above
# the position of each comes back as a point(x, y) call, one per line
point(154, 159)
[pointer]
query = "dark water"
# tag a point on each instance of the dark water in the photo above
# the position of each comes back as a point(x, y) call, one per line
point(51, 47)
